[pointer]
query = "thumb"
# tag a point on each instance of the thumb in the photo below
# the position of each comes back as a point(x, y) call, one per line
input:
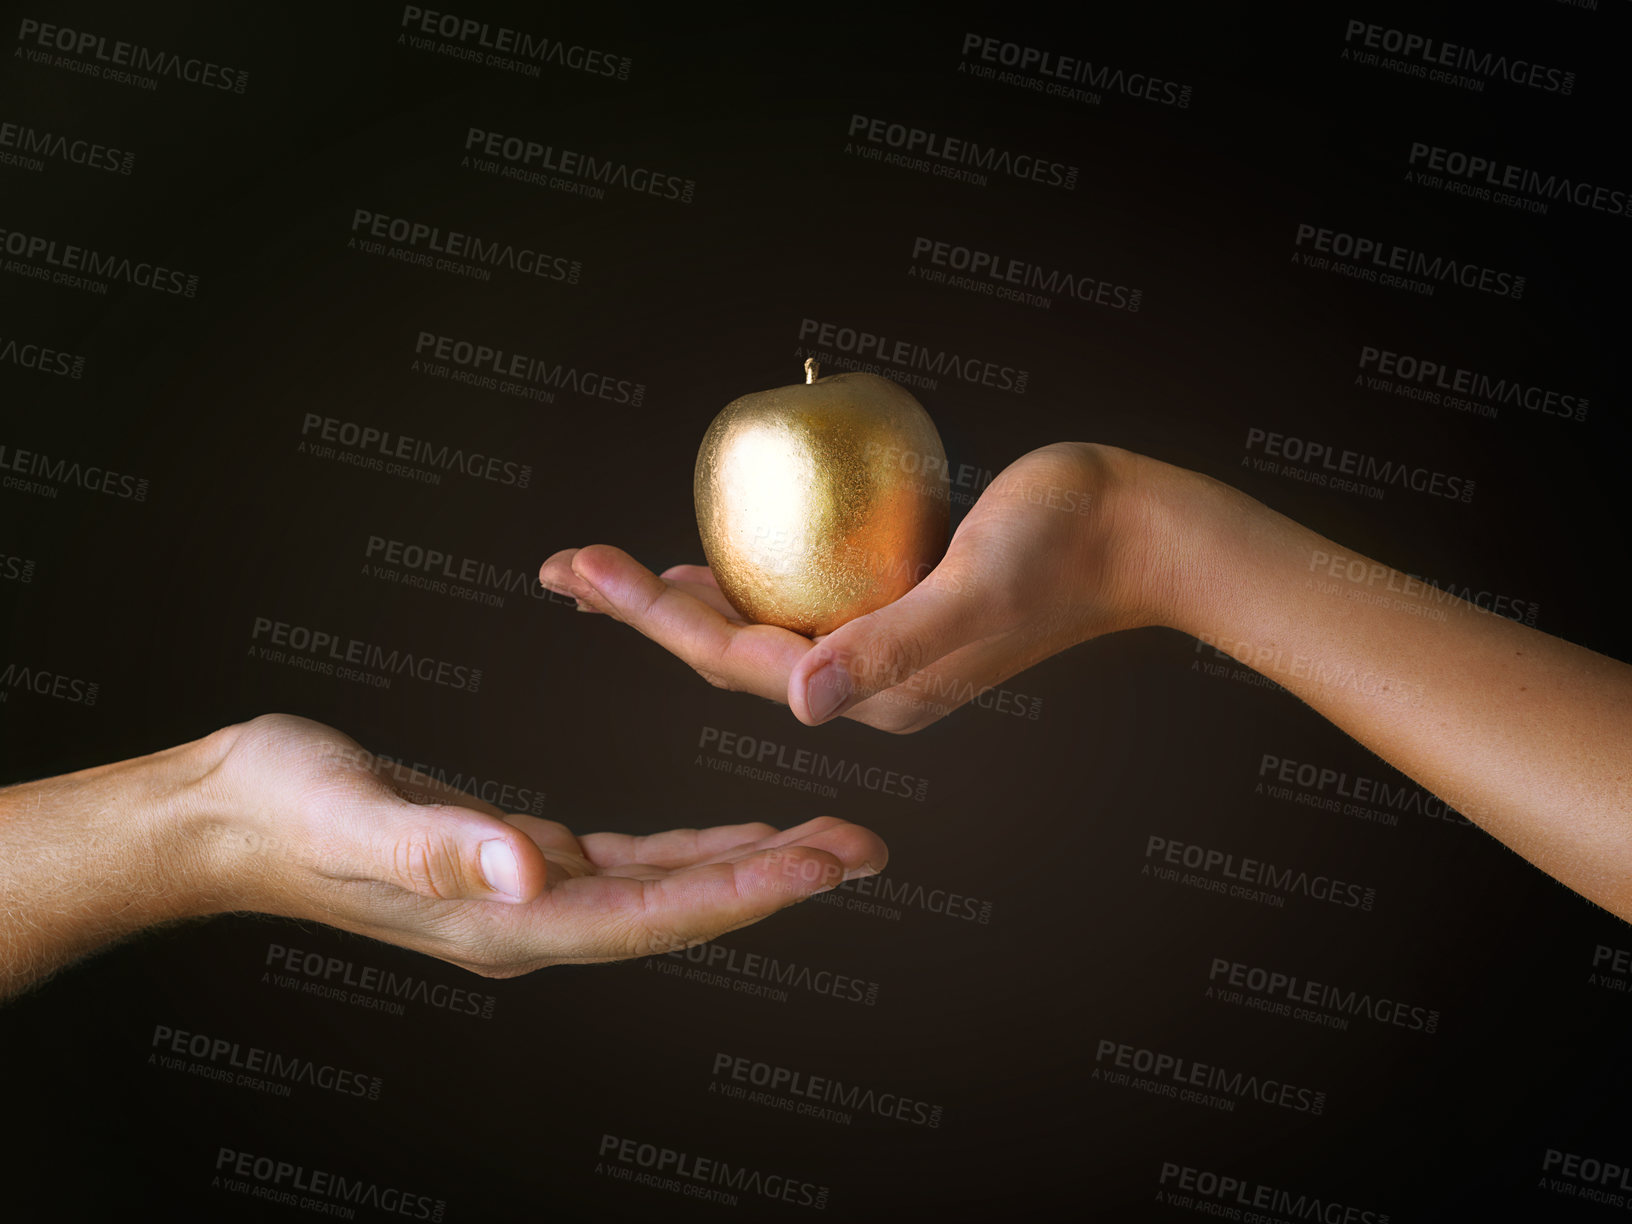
point(445, 852)
point(883, 648)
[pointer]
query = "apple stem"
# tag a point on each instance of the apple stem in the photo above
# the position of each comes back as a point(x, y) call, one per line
point(811, 369)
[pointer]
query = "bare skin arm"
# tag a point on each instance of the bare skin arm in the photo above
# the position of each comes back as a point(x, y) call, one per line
point(89, 858)
point(1527, 735)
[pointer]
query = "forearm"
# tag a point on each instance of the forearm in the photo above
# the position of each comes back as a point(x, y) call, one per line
point(92, 857)
point(1525, 734)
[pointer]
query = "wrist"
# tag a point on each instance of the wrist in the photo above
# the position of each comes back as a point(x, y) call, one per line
point(1175, 532)
point(96, 855)
point(185, 833)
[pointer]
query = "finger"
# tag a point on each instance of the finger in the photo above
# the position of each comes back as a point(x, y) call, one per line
point(556, 572)
point(591, 600)
point(883, 648)
point(699, 581)
point(673, 848)
point(442, 852)
point(691, 573)
point(559, 575)
point(708, 593)
point(751, 658)
point(551, 836)
point(415, 787)
point(862, 851)
point(859, 849)
point(968, 673)
point(623, 917)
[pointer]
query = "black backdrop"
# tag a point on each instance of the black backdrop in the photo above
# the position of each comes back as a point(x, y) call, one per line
point(998, 1015)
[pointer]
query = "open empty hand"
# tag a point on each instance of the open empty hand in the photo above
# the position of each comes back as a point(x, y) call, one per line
point(306, 823)
point(282, 815)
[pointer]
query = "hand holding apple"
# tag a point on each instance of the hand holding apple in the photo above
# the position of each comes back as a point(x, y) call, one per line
point(1052, 554)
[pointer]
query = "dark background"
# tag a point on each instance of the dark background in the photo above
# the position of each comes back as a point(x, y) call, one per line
point(1042, 820)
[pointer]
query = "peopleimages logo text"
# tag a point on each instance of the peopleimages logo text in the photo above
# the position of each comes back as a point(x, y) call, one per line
point(1077, 71)
point(1375, 254)
point(1399, 796)
point(1487, 172)
point(228, 1056)
point(539, 158)
point(371, 441)
point(1020, 273)
point(712, 1172)
point(293, 1185)
point(486, 42)
point(338, 648)
point(826, 1091)
point(860, 343)
point(954, 150)
point(1436, 381)
point(759, 756)
point(31, 142)
point(90, 477)
point(332, 971)
point(493, 363)
point(47, 683)
point(46, 360)
point(1234, 1193)
point(1437, 53)
point(70, 257)
point(1290, 988)
point(117, 54)
point(1175, 1070)
point(434, 240)
point(1227, 865)
point(1326, 457)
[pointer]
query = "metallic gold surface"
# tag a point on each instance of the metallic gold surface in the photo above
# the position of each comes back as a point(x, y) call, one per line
point(820, 502)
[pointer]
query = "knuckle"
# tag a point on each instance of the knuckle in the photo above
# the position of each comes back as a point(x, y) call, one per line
point(426, 862)
point(901, 710)
point(904, 720)
point(718, 679)
point(495, 970)
point(809, 869)
point(476, 962)
point(889, 659)
point(647, 940)
point(898, 718)
point(649, 933)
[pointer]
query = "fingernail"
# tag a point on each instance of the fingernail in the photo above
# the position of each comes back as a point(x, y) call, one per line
point(827, 690)
point(500, 869)
point(859, 873)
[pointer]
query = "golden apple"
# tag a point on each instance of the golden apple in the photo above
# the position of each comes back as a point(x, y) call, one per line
point(821, 501)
